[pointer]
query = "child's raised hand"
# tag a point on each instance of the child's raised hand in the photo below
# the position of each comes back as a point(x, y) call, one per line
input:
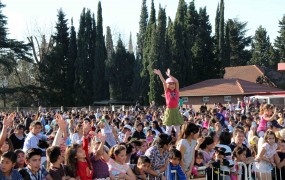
point(168, 72)
point(156, 71)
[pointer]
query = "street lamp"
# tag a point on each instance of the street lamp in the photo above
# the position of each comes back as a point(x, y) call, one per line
point(4, 84)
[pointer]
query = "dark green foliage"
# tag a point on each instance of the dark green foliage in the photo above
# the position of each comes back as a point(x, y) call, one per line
point(279, 43)
point(236, 42)
point(54, 67)
point(70, 73)
point(83, 63)
point(100, 85)
point(260, 48)
point(157, 56)
point(121, 73)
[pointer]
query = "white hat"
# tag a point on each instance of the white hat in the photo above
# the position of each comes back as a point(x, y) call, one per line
point(128, 127)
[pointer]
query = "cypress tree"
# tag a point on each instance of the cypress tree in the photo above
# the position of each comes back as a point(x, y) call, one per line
point(202, 48)
point(178, 43)
point(146, 52)
point(140, 80)
point(100, 85)
point(221, 58)
point(83, 63)
point(121, 73)
point(192, 25)
point(110, 56)
point(131, 48)
point(157, 57)
point(70, 74)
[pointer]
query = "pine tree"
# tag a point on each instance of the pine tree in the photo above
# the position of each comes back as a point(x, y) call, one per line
point(280, 40)
point(236, 43)
point(11, 50)
point(260, 48)
point(55, 63)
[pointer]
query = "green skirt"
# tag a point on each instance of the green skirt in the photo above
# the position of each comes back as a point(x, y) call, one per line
point(172, 116)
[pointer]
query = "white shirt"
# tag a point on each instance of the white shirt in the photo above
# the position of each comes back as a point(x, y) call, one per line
point(32, 141)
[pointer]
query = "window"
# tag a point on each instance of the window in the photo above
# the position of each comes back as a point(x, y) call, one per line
point(205, 99)
point(185, 99)
point(227, 98)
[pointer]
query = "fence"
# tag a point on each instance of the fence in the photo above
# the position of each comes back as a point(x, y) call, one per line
point(62, 108)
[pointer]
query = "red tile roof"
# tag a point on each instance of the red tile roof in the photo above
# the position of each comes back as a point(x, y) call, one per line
point(248, 73)
point(214, 87)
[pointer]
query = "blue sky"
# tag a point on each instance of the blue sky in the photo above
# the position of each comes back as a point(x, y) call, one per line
point(27, 17)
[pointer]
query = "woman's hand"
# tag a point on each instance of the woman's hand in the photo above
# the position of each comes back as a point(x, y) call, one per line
point(157, 71)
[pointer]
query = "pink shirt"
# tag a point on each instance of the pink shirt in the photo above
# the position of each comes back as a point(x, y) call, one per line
point(262, 124)
point(172, 98)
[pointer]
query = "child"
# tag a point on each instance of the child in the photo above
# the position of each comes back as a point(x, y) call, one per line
point(20, 163)
point(116, 163)
point(141, 168)
point(77, 159)
point(267, 116)
point(219, 162)
point(56, 169)
point(8, 161)
point(34, 170)
point(265, 156)
point(174, 164)
point(97, 158)
point(199, 162)
point(107, 130)
point(172, 116)
point(149, 136)
point(253, 145)
point(239, 155)
point(32, 140)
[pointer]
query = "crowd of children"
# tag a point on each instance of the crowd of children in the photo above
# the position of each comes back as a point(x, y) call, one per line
point(144, 142)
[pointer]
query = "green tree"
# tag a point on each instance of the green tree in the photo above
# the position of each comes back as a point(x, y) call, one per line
point(279, 43)
point(138, 87)
point(151, 26)
point(100, 85)
point(70, 72)
point(83, 63)
point(110, 57)
point(260, 48)
point(121, 73)
point(54, 67)
point(237, 42)
point(203, 48)
point(157, 57)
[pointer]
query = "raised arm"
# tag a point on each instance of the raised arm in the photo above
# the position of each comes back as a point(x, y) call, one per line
point(157, 71)
point(272, 117)
point(176, 81)
point(6, 124)
point(62, 131)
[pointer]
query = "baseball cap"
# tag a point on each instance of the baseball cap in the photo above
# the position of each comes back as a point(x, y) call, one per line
point(128, 127)
point(170, 80)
